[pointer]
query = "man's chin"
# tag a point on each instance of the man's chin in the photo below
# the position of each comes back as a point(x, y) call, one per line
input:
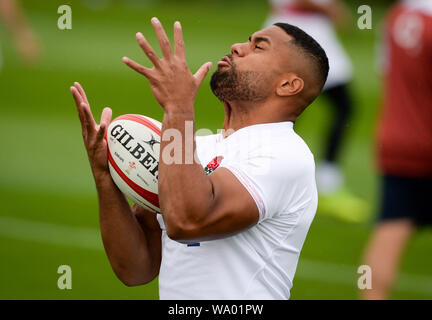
point(223, 94)
point(222, 69)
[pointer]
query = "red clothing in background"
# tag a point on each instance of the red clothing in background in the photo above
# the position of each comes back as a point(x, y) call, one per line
point(405, 129)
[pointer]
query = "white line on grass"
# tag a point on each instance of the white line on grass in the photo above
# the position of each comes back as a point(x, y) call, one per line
point(42, 232)
point(341, 274)
point(89, 238)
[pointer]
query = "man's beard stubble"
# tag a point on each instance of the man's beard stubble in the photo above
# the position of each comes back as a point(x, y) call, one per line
point(234, 85)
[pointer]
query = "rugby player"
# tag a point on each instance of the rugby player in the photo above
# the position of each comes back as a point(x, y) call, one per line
point(234, 221)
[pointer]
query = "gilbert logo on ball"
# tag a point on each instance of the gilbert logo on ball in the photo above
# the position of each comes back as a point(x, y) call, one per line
point(133, 156)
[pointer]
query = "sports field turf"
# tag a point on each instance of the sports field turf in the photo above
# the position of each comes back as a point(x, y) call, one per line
point(48, 209)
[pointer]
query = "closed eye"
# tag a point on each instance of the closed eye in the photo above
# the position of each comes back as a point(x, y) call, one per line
point(258, 40)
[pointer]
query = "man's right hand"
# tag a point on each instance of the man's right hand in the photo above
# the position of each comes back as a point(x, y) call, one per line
point(93, 133)
point(132, 239)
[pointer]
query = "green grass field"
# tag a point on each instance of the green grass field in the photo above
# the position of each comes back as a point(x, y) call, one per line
point(49, 213)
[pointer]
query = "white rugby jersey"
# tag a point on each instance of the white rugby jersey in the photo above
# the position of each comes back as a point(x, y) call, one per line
point(277, 168)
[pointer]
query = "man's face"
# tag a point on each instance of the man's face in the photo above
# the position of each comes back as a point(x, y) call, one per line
point(250, 71)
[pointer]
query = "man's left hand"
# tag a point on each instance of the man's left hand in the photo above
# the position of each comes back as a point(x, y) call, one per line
point(171, 81)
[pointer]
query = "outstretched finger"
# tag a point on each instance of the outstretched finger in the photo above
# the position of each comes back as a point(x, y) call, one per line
point(81, 91)
point(202, 72)
point(89, 122)
point(78, 100)
point(179, 46)
point(148, 50)
point(81, 100)
point(163, 38)
point(137, 67)
point(76, 95)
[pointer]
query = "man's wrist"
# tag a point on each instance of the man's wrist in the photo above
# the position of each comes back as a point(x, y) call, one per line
point(179, 109)
point(187, 115)
point(102, 177)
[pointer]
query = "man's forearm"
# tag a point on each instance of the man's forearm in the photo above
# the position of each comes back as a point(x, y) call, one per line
point(185, 191)
point(124, 240)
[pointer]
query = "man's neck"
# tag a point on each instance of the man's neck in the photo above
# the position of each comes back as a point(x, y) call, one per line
point(240, 114)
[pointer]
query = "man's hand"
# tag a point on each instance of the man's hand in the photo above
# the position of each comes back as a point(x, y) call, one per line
point(131, 237)
point(93, 133)
point(171, 81)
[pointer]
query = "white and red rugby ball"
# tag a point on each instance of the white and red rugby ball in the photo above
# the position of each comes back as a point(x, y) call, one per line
point(133, 157)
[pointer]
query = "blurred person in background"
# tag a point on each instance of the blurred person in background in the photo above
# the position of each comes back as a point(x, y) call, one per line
point(317, 18)
point(99, 5)
point(404, 141)
point(25, 39)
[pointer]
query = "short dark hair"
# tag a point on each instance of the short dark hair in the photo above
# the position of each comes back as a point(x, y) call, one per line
point(310, 47)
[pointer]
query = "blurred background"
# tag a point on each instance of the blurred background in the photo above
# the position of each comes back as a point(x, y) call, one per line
point(49, 214)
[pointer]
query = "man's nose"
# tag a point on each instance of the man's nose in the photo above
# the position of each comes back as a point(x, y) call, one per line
point(238, 49)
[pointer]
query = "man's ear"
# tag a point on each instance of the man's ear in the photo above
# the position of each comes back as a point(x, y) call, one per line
point(289, 85)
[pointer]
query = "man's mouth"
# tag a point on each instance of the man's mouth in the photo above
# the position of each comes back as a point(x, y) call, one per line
point(225, 61)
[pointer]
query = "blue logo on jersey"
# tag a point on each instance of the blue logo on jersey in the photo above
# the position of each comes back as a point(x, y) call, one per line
point(194, 244)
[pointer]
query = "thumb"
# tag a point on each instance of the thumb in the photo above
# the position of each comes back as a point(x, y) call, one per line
point(104, 123)
point(202, 72)
point(106, 116)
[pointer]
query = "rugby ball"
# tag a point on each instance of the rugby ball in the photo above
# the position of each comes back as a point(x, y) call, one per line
point(133, 158)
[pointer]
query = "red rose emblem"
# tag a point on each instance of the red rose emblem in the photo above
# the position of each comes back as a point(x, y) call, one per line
point(215, 162)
